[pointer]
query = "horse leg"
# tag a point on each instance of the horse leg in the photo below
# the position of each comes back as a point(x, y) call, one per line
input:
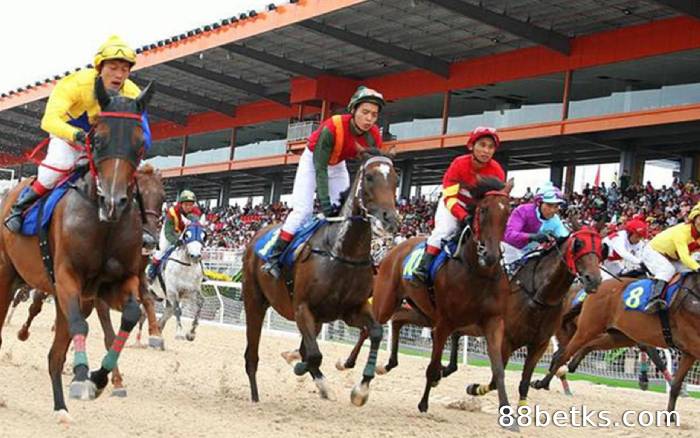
point(57, 358)
point(684, 365)
point(34, 310)
point(15, 302)
point(400, 318)
point(131, 312)
point(363, 319)
point(352, 358)
point(312, 357)
point(106, 323)
point(479, 389)
point(167, 313)
point(534, 353)
point(255, 307)
point(454, 353)
point(434, 371)
point(494, 329)
point(177, 309)
point(195, 322)
point(5, 295)
point(155, 338)
point(659, 363)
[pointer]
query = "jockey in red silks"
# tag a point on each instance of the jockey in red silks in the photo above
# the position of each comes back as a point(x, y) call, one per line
point(452, 212)
point(625, 248)
point(322, 168)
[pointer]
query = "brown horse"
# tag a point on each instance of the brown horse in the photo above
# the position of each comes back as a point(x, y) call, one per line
point(469, 289)
point(604, 323)
point(21, 295)
point(332, 278)
point(94, 239)
point(535, 304)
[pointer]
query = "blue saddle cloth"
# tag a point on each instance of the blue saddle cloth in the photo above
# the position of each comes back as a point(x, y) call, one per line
point(410, 263)
point(165, 258)
point(636, 294)
point(30, 224)
point(265, 243)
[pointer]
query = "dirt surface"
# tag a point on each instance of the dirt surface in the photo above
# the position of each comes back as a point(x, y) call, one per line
point(200, 389)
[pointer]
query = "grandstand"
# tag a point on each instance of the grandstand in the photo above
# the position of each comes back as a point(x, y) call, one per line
point(567, 84)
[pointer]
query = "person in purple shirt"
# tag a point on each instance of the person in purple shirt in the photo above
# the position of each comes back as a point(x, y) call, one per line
point(534, 223)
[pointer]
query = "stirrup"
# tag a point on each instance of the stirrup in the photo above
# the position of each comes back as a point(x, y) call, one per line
point(271, 267)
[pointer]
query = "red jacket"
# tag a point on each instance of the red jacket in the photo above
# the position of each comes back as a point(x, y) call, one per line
point(460, 177)
point(341, 138)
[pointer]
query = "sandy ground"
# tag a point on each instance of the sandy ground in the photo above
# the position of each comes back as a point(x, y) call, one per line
point(200, 389)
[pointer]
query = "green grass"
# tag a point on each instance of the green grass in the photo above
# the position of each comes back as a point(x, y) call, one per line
point(598, 380)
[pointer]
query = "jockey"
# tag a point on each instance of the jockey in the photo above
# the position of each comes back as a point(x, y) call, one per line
point(452, 212)
point(184, 212)
point(70, 112)
point(670, 252)
point(534, 223)
point(322, 166)
point(625, 247)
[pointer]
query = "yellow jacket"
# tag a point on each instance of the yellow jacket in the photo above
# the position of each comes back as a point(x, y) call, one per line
point(677, 243)
point(74, 97)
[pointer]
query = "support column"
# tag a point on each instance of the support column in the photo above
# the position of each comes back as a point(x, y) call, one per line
point(687, 168)
point(570, 177)
point(556, 173)
point(406, 179)
point(224, 192)
point(631, 167)
point(267, 193)
point(276, 188)
point(183, 155)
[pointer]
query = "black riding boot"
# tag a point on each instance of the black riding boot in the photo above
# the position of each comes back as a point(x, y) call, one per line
point(14, 220)
point(656, 302)
point(423, 270)
point(272, 266)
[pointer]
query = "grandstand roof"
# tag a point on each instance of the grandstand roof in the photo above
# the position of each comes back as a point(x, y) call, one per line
point(250, 69)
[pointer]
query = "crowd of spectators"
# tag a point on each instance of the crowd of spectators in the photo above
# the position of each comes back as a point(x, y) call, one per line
point(232, 227)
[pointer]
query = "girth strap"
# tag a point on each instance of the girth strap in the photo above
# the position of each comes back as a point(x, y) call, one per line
point(666, 328)
point(44, 247)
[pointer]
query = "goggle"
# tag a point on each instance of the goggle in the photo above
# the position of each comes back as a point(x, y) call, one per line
point(118, 52)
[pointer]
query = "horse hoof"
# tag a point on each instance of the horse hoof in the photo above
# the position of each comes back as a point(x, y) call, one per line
point(85, 390)
point(359, 394)
point(434, 383)
point(423, 407)
point(291, 356)
point(380, 370)
point(63, 417)
point(561, 372)
point(23, 334)
point(340, 365)
point(156, 342)
point(189, 337)
point(324, 391)
point(119, 392)
point(473, 389)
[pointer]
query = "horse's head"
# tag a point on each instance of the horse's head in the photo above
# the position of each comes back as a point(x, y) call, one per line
point(375, 192)
point(490, 216)
point(150, 194)
point(116, 146)
point(192, 239)
point(583, 256)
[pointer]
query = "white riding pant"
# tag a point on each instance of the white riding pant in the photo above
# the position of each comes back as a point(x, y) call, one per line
point(61, 156)
point(660, 266)
point(511, 254)
point(446, 225)
point(305, 189)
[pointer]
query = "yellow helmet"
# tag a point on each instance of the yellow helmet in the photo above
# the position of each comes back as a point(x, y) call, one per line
point(114, 48)
point(695, 212)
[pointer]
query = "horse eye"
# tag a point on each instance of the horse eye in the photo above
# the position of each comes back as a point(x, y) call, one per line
point(370, 178)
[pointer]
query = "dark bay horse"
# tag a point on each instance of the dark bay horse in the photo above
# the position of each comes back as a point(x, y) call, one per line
point(332, 277)
point(150, 195)
point(469, 289)
point(94, 238)
point(604, 324)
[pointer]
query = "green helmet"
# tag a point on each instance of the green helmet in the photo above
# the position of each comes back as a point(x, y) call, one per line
point(364, 94)
point(187, 196)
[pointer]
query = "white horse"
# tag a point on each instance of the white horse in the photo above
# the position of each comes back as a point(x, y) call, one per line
point(182, 277)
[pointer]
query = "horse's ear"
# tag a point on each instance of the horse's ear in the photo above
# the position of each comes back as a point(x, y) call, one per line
point(145, 96)
point(101, 94)
point(509, 185)
point(575, 223)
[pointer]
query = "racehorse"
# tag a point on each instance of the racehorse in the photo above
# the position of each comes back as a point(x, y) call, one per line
point(182, 279)
point(605, 323)
point(21, 295)
point(469, 289)
point(332, 278)
point(94, 240)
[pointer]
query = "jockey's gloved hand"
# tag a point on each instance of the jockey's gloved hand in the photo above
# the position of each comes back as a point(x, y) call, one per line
point(540, 237)
point(79, 137)
point(327, 208)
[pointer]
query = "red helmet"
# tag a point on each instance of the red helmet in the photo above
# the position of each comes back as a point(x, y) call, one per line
point(482, 131)
point(637, 226)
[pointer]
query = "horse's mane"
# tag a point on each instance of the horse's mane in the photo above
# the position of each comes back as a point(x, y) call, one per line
point(147, 169)
point(485, 185)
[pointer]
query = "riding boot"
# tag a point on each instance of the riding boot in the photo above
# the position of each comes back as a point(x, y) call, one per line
point(272, 266)
point(152, 270)
point(422, 272)
point(14, 220)
point(656, 302)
